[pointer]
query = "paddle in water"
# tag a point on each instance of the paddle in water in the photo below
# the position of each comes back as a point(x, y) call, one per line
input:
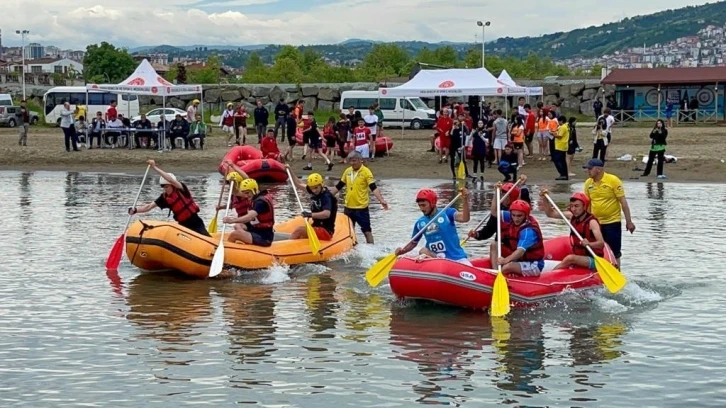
point(500, 293)
point(486, 218)
point(611, 277)
point(378, 272)
point(218, 260)
point(117, 251)
point(312, 236)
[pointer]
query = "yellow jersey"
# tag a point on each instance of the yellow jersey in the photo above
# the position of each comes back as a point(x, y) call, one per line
point(562, 142)
point(605, 198)
point(356, 183)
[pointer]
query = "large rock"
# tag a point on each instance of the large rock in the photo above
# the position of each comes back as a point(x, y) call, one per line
point(571, 104)
point(250, 107)
point(245, 92)
point(592, 85)
point(212, 95)
point(276, 93)
point(310, 90)
point(564, 91)
point(327, 106)
point(261, 90)
point(551, 99)
point(576, 89)
point(310, 102)
point(231, 95)
point(329, 94)
point(586, 108)
point(176, 103)
point(550, 89)
point(291, 88)
point(589, 94)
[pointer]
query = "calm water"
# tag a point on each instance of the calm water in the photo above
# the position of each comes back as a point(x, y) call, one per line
point(311, 336)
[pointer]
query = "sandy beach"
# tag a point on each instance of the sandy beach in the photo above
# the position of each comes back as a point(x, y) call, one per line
point(700, 152)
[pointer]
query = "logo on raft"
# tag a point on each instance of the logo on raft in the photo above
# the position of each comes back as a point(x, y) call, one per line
point(467, 276)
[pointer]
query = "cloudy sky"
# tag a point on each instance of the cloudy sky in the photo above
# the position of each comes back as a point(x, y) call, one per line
point(76, 23)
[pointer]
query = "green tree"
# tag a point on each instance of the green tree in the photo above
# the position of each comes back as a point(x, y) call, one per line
point(286, 70)
point(596, 70)
point(446, 56)
point(209, 74)
point(384, 60)
point(290, 52)
point(107, 62)
point(254, 61)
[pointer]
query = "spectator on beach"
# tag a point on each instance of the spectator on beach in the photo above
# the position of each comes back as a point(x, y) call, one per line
point(530, 127)
point(111, 112)
point(144, 134)
point(226, 123)
point(342, 131)
point(81, 129)
point(197, 130)
point(23, 120)
point(608, 130)
point(572, 146)
point(657, 149)
point(291, 129)
point(669, 113)
point(192, 111)
point(330, 138)
point(516, 133)
point(444, 125)
point(262, 116)
point(562, 142)
point(457, 153)
point(507, 164)
point(113, 131)
point(312, 135)
point(161, 130)
point(240, 124)
point(98, 124)
point(282, 110)
point(597, 107)
point(477, 140)
point(500, 135)
point(179, 128)
point(552, 125)
point(66, 125)
point(600, 143)
point(269, 148)
point(371, 121)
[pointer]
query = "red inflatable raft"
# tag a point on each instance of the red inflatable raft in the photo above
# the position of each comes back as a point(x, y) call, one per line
point(250, 160)
point(383, 144)
point(450, 282)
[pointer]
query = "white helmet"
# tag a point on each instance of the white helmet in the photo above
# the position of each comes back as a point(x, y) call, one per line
point(163, 182)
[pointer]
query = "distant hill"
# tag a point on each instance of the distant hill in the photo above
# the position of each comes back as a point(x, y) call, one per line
point(594, 41)
point(664, 26)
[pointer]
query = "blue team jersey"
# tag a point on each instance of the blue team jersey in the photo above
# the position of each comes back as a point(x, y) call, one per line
point(441, 236)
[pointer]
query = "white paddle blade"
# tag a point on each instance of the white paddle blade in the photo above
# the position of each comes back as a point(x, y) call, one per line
point(217, 261)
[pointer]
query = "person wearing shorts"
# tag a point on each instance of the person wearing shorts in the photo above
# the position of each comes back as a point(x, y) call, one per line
point(500, 134)
point(260, 217)
point(323, 208)
point(361, 136)
point(522, 246)
point(291, 129)
point(358, 180)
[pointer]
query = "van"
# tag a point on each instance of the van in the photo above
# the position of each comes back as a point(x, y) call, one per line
point(412, 111)
point(6, 100)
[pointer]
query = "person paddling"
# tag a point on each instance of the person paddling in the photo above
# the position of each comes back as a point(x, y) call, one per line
point(323, 208)
point(177, 198)
point(490, 228)
point(260, 217)
point(442, 240)
point(522, 244)
point(586, 225)
point(240, 203)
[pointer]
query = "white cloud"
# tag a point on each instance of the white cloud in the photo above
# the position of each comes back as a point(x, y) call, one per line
point(188, 22)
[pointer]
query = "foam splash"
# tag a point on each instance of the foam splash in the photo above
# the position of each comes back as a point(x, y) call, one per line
point(314, 268)
point(277, 273)
point(608, 305)
point(368, 255)
point(636, 295)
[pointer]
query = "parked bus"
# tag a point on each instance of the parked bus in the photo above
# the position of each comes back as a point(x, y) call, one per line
point(128, 105)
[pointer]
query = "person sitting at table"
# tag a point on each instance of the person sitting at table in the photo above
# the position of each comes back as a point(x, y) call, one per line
point(81, 129)
point(113, 131)
point(197, 130)
point(143, 131)
point(179, 128)
point(161, 128)
point(126, 126)
point(98, 124)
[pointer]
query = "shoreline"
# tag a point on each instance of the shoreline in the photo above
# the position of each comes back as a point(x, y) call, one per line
point(698, 150)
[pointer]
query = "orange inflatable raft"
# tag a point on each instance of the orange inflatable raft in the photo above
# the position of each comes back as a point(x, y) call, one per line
point(251, 161)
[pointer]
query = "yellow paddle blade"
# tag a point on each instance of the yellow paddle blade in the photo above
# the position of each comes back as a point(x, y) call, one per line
point(610, 276)
point(379, 272)
point(463, 242)
point(313, 239)
point(461, 171)
point(212, 228)
point(500, 297)
point(500, 329)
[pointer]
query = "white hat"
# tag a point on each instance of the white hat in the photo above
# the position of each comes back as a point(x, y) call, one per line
point(163, 182)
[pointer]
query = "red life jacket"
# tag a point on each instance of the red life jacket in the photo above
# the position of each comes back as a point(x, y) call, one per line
point(181, 206)
point(583, 228)
point(266, 220)
point(241, 205)
point(510, 238)
point(228, 119)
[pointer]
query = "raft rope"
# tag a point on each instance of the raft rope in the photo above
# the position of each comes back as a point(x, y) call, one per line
point(141, 235)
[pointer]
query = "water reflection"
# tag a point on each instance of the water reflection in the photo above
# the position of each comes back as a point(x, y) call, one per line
point(249, 311)
point(520, 352)
point(322, 305)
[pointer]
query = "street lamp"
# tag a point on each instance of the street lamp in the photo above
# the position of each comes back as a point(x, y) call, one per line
point(22, 35)
point(483, 25)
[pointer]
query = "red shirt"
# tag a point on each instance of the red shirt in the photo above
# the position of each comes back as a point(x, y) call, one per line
point(111, 112)
point(469, 122)
point(444, 125)
point(529, 124)
point(269, 145)
point(361, 135)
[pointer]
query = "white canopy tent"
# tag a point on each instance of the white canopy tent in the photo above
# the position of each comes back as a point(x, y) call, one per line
point(530, 90)
point(146, 81)
point(452, 82)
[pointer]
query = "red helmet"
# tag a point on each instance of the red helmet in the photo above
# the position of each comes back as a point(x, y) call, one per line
point(514, 195)
point(521, 205)
point(426, 194)
point(581, 197)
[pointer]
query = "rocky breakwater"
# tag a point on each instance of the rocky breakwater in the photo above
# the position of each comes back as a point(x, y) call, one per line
point(572, 95)
point(325, 97)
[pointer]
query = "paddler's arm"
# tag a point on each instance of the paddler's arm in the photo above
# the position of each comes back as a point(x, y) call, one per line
point(548, 209)
point(599, 241)
point(251, 215)
point(494, 208)
point(527, 239)
point(143, 209)
point(236, 168)
point(412, 244)
point(164, 175)
point(298, 183)
point(464, 215)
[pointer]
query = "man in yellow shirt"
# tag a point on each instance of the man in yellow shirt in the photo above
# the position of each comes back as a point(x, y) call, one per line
point(359, 179)
point(607, 198)
point(559, 155)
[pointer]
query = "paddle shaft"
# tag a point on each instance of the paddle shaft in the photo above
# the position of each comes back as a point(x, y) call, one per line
point(219, 202)
point(486, 218)
point(138, 194)
point(499, 228)
point(552, 203)
point(418, 234)
point(294, 188)
point(226, 211)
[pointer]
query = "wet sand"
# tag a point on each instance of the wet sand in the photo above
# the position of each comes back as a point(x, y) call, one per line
point(700, 152)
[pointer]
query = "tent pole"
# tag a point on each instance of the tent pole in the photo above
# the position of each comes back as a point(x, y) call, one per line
point(161, 139)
